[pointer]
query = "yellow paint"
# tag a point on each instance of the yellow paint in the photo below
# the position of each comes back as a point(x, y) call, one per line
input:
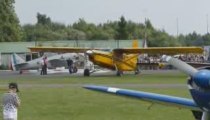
point(123, 59)
point(135, 44)
point(108, 60)
point(127, 63)
point(103, 59)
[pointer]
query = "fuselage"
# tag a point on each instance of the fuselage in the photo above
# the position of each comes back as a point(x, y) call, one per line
point(112, 61)
point(36, 63)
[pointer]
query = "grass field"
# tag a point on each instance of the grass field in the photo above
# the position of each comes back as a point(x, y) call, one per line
point(63, 98)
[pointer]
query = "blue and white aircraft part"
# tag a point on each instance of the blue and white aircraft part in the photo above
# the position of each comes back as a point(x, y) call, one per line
point(151, 97)
point(54, 61)
point(198, 84)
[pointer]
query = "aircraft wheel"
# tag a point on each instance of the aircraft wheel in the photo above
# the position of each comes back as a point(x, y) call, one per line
point(75, 69)
point(119, 73)
point(21, 72)
point(137, 72)
point(86, 72)
point(70, 70)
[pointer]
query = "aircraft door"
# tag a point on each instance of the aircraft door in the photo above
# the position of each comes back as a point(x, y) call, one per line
point(28, 57)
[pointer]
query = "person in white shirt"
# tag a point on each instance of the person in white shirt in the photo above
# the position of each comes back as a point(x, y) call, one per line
point(44, 66)
point(11, 102)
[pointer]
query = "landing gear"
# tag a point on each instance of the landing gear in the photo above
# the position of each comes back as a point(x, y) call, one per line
point(20, 72)
point(86, 72)
point(119, 73)
point(137, 71)
point(73, 69)
point(205, 116)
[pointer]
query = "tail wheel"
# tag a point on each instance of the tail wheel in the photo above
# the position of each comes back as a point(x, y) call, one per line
point(86, 72)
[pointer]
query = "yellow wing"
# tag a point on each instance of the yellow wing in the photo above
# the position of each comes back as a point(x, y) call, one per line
point(161, 50)
point(150, 50)
point(59, 49)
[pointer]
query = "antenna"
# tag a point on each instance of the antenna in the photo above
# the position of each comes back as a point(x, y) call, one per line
point(177, 26)
point(145, 29)
point(207, 24)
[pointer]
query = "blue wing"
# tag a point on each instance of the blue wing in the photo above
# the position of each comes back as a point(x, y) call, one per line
point(150, 97)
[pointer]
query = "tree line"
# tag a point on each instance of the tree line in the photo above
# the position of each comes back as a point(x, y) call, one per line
point(45, 29)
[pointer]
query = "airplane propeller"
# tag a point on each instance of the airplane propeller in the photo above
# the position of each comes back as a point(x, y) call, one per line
point(182, 66)
point(200, 77)
point(199, 84)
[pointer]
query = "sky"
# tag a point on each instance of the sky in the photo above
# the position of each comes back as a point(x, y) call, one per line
point(174, 16)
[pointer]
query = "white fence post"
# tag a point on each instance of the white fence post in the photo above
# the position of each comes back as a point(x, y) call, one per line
point(0, 59)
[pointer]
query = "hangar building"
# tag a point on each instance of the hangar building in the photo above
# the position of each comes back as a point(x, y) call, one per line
point(20, 48)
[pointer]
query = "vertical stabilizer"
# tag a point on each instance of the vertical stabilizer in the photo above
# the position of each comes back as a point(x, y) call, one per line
point(15, 60)
point(144, 43)
point(135, 44)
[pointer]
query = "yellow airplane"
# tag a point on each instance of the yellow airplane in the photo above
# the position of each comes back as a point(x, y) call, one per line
point(119, 59)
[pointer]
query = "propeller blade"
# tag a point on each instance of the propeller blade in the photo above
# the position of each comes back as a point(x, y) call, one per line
point(182, 66)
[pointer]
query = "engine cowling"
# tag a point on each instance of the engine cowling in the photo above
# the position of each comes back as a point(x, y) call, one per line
point(202, 79)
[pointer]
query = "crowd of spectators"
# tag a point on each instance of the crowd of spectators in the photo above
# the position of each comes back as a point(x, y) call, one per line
point(153, 61)
point(192, 58)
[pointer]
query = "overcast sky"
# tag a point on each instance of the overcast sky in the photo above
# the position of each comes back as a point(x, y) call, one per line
point(191, 15)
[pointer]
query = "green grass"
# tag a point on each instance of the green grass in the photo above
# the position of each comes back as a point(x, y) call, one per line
point(112, 79)
point(75, 103)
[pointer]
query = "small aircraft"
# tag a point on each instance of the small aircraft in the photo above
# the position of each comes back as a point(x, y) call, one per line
point(19, 64)
point(198, 84)
point(119, 59)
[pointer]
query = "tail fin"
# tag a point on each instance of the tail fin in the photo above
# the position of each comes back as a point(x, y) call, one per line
point(144, 44)
point(135, 44)
point(15, 59)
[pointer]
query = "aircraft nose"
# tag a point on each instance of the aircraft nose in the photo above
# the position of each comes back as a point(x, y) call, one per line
point(202, 79)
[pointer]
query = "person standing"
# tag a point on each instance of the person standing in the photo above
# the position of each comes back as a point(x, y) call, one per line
point(11, 102)
point(70, 65)
point(42, 67)
point(45, 65)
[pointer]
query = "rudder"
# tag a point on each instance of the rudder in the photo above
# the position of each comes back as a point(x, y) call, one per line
point(14, 60)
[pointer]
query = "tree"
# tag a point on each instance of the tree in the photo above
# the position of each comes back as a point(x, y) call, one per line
point(193, 39)
point(122, 30)
point(45, 29)
point(10, 29)
point(29, 32)
point(148, 24)
point(43, 19)
point(206, 39)
point(73, 34)
point(135, 30)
